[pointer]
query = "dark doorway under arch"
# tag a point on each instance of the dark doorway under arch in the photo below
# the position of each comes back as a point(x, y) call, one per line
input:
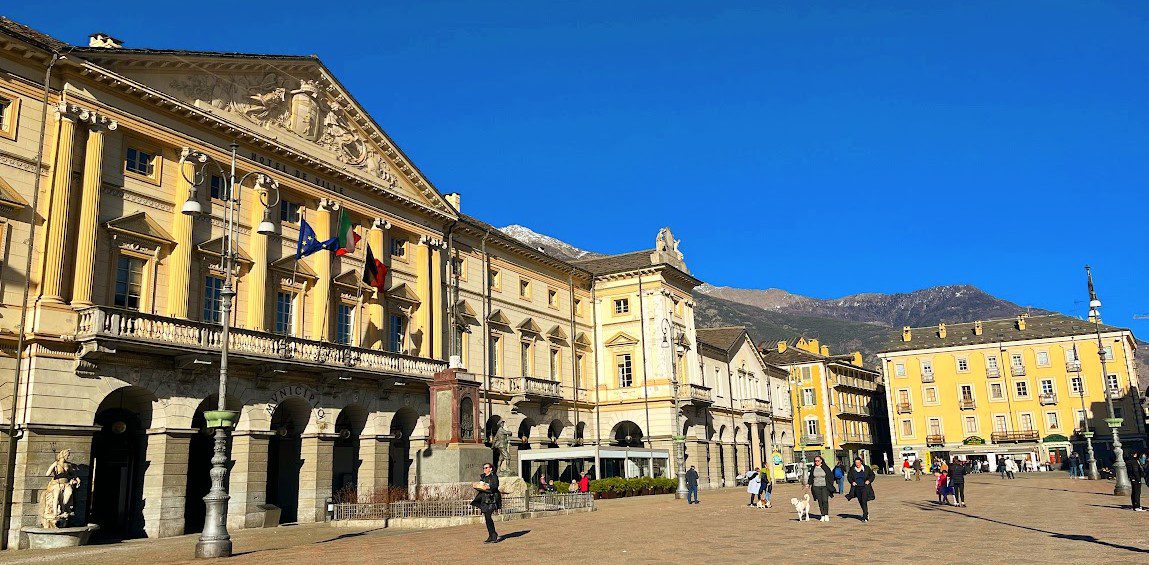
point(345, 456)
point(119, 461)
point(402, 427)
point(285, 456)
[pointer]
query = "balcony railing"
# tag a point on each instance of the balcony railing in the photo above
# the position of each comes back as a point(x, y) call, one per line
point(1046, 399)
point(967, 404)
point(1017, 370)
point(992, 373)
point(1116, 393)
point(855, 382)
point(856, 410)
point(935, 439)
point(534, 387)
point(696, 393)
point(1073, 366)
point(927, 376)
point(813, 439)
point(1014, 437)
point(904, 408)
point(858, 438)
point(149, 332)
point(757, 405)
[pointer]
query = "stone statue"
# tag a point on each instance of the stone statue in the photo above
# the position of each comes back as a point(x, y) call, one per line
point(502, 445)
point(56, 499)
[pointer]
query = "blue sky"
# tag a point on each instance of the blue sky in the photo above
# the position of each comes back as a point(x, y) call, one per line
point(826, 148)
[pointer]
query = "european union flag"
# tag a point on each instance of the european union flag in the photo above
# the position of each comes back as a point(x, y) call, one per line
point(309, 243)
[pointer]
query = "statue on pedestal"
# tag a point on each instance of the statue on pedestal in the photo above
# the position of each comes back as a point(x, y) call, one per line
point(502, 446)
point(56, 500)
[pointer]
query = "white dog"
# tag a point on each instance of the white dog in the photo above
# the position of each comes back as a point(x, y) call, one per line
point(802, 506)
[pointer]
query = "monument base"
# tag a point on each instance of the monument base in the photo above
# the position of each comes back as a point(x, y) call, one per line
point(53, 538)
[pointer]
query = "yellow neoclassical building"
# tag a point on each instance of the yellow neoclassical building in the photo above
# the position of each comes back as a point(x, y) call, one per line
point(113, 283)
point(834, 399)
point(1022, 387)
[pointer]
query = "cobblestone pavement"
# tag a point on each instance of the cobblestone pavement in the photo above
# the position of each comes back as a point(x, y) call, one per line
point(1035, 518)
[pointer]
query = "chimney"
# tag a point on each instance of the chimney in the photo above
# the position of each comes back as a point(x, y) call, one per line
point(826, 350)
point(104, 40)
point(454, 199)
point(906, 333)
point(1021, 322)
point(858, 358)
point(942, 330)
point(815, 347)
point(977, 328)
point(781, 347)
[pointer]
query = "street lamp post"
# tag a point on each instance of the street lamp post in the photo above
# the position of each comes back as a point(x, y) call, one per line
point(796, 383)
point(1122, 487)
point(1087, 432)
point(679, 438)
point(215, 541)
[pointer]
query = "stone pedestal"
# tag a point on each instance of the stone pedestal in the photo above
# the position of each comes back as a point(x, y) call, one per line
point(247, 483)
point(458, 463)
point(35, 453)
point(165, 485)
point(315, 476)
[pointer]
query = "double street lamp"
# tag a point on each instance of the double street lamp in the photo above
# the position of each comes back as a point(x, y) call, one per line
point(1122, 487)
point(215, 541)
point(670, 341)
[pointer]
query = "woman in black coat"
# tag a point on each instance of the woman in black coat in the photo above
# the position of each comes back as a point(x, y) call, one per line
point(488, 499)
point(821, 485)
point(861, 480)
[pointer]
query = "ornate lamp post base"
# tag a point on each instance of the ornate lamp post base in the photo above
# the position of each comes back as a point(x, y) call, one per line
point(680, 451)
point(1093, 474)
point(1121, 486)
point(215, 541)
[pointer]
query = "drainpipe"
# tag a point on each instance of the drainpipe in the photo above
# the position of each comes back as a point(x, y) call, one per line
point(14, 435)
point(733, 423)
point(486, 324)
point(452, 295)
point(645, 390)
point(574, 355)
point(597, 403)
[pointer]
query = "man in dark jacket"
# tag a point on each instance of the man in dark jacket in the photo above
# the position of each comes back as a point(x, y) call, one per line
point(861, 479)
point(692, 486)
point(958, 470)
point(1136, 476)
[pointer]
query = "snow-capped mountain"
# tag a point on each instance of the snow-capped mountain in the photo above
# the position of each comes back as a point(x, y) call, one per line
point(546, 243)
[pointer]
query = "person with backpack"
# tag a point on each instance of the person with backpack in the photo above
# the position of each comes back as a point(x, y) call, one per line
point(840, 476)
point(765, 488)
point(958, 472)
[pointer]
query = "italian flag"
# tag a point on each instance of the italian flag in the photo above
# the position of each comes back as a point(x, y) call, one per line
point(346, 235)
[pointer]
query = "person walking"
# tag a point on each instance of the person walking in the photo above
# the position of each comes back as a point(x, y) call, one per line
point(488, 499)
point(861, 480)
point(917, 469)
point(840, 476)
point(821, 485)
point(752, 487)
point(1010, 468)
point(584, 482)
point(692, 486)
point(906, 469)
point(958, 470)
point(765, 488)
point(1134, 467)
point(1075, 466)
point(942, 488)
point(1001, 466)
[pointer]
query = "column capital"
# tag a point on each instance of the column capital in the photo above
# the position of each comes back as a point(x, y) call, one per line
point(432, 242)
point(95, 121)
point(380, 224)
point(327, 204)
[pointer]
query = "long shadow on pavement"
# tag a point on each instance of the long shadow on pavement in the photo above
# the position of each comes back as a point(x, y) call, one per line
point(1055, 535)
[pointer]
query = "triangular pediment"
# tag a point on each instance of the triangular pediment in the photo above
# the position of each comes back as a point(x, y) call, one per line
point(142, 226)
point(403, 293)
point(9, 198)
point(214, 248)
point(463, 308)
point(529, 326)
point(350, 279)
point(498, 317)
point(295, 101)
point(290, 266)
point(621, 338)
point(557, 334)
point(582, 340)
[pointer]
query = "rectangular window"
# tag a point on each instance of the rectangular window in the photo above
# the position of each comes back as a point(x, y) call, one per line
point(526, 350)
point(461, 344)
point(344, 322)
point(900, 369)
point(927, 367)
point(625, 371)
point(1015, 360)
point(1026, 422)
point(935, 427)
point(969, 424)
point(1000, 423)
point(140, 162)
point(217, 188)
point(931, 395)
point(1052, 421)
point(963, 364)
point(524, 288)
point(807, 374)
point(1046, 386)
point(129, 282)
point(621, 305)
point(459, 268)
point(579, 359)
point(903, 396)
point(289, 211)
point(493, 355)
point(1076, 386)
point(398, 247)
point(5, 115)
point(555, 364)
point(807, 397)
point(1022, 388)
point(1112, 383)
point(578, 307)
point(995, 392)
point(812, 427)
point(283, 317)
point(1071, 355)
point(397, 333)
point(212, 300)
point(991, 363)
point(1042, 358)
point(908, 428)
point(1082, 418)
point(494, 279)
point(552, 298)
point(967, 393)
point(1108, 353)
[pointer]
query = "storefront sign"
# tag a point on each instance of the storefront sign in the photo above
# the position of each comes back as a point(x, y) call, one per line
point(973, 440)
point(1053, 438)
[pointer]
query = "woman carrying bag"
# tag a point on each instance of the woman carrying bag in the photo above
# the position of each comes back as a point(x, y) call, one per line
point(488, 499)
point(861, 480)
point(821, 484)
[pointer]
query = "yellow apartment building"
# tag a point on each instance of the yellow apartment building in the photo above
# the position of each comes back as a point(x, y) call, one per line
point(834, 401)
point(1022, 387)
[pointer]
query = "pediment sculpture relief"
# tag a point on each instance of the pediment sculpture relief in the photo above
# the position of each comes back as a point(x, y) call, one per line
point(300, 106)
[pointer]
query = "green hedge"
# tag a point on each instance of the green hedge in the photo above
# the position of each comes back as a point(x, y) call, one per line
point(618, 486)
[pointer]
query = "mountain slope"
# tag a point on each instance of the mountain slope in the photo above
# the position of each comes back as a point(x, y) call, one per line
point(547, 244)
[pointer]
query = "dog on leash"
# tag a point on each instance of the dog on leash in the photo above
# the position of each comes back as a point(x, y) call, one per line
point(802, 506)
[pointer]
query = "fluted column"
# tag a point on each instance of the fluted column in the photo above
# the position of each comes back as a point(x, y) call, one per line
point(51, 288)
point(89, 213)
point(321, 262)
point(256, 283)
point(376, 308)
point(179, 262)
point(437, 311)
point(423, 287)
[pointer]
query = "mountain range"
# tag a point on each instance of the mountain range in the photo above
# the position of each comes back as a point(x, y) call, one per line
point(858, 322)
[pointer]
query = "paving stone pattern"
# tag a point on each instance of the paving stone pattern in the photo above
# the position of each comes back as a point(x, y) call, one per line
point(1034, 518)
